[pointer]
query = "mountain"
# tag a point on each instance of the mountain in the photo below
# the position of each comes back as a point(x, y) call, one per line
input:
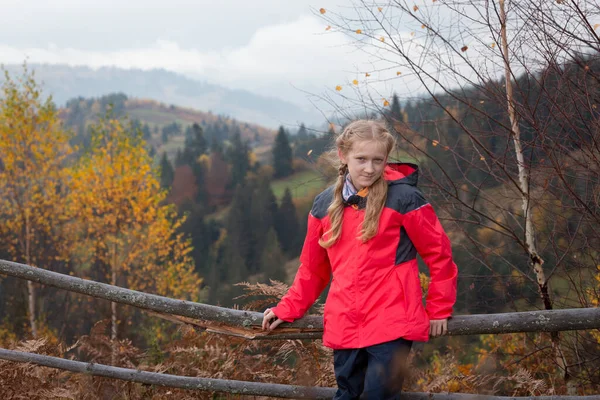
point(66, 82)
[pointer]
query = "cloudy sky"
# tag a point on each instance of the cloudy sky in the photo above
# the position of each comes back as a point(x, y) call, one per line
point(267, 46)
point(271, 47)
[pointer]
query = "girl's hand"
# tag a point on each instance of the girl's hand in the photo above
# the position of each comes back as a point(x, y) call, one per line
point(438, 327)
point(268, 317)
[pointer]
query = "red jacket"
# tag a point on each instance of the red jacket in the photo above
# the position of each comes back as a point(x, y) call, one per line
point(375, 294)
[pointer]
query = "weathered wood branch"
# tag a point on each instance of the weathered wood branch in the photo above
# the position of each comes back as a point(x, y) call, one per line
point(310, 327)
point(246, 333)
point(231, 386)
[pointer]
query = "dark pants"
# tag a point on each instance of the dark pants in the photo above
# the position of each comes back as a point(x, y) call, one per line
point(376, 372)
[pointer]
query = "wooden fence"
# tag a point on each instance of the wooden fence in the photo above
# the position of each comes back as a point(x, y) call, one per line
point(248, 325)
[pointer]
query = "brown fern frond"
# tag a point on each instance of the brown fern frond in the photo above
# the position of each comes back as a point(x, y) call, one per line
point(32, 346)
point(275, 288)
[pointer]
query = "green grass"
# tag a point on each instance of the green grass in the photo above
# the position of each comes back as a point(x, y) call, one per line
point(302, 185)
point(157, 117)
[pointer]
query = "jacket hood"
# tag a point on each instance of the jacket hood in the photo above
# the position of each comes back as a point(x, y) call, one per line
point(401, 174)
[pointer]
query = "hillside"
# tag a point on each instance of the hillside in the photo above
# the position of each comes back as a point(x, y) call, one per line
point(155, 118)
point(65, 82)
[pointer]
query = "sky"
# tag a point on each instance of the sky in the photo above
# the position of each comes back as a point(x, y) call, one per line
point(270, 47)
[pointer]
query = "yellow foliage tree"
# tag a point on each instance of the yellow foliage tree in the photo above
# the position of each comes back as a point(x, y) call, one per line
point(123, 222)
point(33, 148)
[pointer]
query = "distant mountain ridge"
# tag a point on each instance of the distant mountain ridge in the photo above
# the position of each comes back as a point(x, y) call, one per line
point(66, 82)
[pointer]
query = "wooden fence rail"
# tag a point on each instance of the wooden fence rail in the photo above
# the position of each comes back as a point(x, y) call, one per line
point(309, 327)
point(235, 387)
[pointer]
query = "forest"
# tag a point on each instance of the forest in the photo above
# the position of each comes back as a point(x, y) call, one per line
point(201, 207)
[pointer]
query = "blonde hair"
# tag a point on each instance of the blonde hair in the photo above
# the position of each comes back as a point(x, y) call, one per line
point(358, 131)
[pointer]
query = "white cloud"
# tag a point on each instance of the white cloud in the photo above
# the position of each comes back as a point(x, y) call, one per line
point(282, 51)
point(293, 53)
point(279, 60)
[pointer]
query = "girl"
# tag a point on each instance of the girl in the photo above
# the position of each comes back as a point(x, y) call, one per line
point(366, 231)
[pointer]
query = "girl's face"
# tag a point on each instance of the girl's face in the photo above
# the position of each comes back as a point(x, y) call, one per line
point(366, 161)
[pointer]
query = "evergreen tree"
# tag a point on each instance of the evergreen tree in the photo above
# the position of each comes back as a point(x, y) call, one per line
point(286, 225)
point(282, 155)
point(146, 134)
point(239, 224)
point(216, 146)
point(395, 111)
point(179, 159)
point(238, 157)
point(314, 144)
point(302, 133)
point(203, 234)
point(231, 269)
point(186, 157)
point(199, 170)
point(262, 218)
point(170, 130)
point(233, 258)
point(195, 140)
point(273, 259)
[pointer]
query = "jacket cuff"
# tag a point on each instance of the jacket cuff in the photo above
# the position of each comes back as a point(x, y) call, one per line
point(439, 314)
point(281, 314)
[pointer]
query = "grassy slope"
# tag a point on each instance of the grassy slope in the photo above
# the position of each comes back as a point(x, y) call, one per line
point(302, 185)
point(158, 115)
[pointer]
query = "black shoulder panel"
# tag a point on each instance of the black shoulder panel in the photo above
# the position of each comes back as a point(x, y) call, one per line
point(322, 202)
point(406, 250)
point(404, 198)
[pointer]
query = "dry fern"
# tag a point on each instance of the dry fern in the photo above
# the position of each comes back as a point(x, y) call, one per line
point(268, 294)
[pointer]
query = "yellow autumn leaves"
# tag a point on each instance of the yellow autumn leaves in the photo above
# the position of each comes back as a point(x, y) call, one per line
point(33, 148)
point(120, 207)
point(103, 208)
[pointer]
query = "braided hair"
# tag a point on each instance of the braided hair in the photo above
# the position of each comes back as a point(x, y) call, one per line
point(360, 130)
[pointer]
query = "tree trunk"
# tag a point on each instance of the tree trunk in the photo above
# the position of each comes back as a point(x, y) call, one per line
point(113, 328)
point(534, 257)
point(30, 288)
point(523, 177)
point(31, 301)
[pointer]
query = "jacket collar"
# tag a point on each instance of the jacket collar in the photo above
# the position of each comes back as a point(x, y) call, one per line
point(401, 173)
point(394, 174)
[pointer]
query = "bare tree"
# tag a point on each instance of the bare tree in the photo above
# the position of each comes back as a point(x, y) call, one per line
point(500, 105)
